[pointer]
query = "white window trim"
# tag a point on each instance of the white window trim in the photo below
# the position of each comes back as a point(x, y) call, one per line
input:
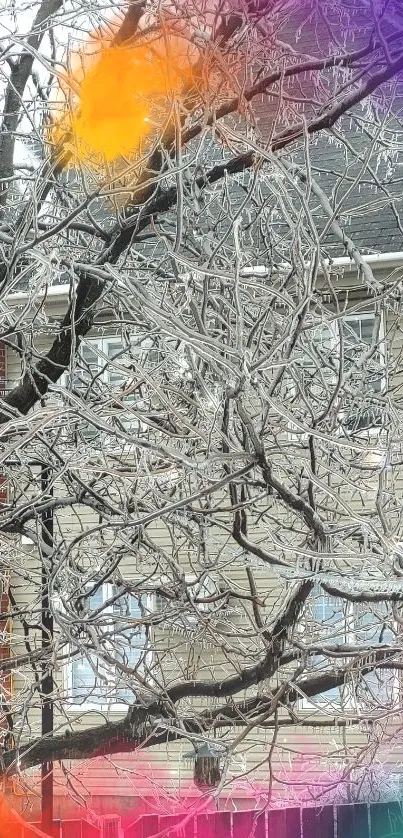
point(136, 426)
point(381, 350)
point(73, 706)
point(334, 343)
point(321, 701)
point(100, 344)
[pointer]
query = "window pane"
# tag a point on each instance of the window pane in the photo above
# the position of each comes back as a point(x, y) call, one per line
point(87, 688)
point(363, 412)
point(122, 637)
point(327, 624)
point(96, 598)
point(86, 368)
point(130, 641)
point(115, 373)
point(313, 373)
point(127, 404)
point(320, 664)
point(317, 354)
point(373, 627)
point(329, 617)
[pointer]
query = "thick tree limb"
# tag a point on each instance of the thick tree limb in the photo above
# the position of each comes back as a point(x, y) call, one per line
point(364, 590)
point(144, 727)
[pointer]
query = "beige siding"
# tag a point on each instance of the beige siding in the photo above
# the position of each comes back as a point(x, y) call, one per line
point(296, 750)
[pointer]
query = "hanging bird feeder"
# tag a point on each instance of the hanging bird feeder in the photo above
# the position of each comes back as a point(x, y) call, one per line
point(207, 761)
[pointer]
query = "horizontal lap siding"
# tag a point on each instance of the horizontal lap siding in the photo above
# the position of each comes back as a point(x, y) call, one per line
point(298, 751)
point(298, 758)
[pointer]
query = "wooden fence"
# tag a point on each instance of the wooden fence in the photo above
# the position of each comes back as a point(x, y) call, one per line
point(61, 829)
point(377, 820)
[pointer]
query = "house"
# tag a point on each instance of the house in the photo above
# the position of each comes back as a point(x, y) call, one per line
point(228, 431)
point(194, 592)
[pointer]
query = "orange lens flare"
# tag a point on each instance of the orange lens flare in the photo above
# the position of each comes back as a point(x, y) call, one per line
point(122, 94)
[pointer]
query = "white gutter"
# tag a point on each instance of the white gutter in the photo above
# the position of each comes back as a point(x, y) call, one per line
point(382, 259)
point(375, 259)
point(392, 259)
point(51, 291)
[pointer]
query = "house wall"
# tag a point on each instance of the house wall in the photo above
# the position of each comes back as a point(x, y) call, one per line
point(302, 754)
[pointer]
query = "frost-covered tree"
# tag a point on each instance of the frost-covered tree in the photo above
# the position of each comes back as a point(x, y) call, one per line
point(201, 429)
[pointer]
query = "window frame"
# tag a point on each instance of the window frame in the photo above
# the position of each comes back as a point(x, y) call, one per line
point(321, 700)
point(373, 430)
point(100, 344)
point(334, 344)
point(114, 706)
point(396, 684)
point(351, 635)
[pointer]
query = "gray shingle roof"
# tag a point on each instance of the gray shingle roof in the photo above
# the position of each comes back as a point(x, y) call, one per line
point(369, 210)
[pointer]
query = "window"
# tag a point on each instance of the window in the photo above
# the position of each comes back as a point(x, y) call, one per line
point(106, 361)
point(93, 680)
point(330, 621)
point(326, 622)
point(199, 599)
point(379, 687)
point(316, 371)
point(364, 412)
